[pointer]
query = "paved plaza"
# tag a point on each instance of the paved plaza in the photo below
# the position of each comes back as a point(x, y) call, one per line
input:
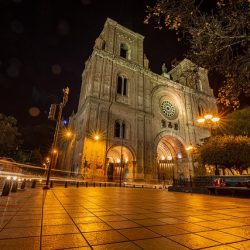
point(122, 218)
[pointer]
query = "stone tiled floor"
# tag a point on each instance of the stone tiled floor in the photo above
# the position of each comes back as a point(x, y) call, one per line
point(122, 218)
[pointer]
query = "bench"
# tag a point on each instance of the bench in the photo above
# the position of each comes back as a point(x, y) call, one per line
point(232, 190)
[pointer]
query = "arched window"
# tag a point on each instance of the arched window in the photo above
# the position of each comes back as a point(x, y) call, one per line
point(120, 129)
point(200, 110)
point(163, 123)
point(123, 127)
point(122, 85)
point(117, 129)
point(124, 51)
point(103, 45)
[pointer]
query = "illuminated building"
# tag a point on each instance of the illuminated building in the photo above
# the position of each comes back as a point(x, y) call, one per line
point(146, 119)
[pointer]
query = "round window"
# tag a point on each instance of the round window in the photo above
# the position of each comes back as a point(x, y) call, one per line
point(168, 109)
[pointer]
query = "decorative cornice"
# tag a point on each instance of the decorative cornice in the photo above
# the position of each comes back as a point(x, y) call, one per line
point(160, 80)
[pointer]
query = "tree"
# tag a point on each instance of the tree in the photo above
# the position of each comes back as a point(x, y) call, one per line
point(227, 151)
point(218, 37)
point(9, 135)
point(38, 136)
point(36, 157)
point(237, 123)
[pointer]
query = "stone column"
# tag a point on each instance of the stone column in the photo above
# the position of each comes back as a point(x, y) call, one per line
point(134, 168)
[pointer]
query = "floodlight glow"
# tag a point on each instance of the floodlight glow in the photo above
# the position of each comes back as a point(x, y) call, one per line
point(69, 134)
point(96, 137)
point(215, 119)
point(201, 120)
point(189, 148)
point(179, 155)
point(208, 116)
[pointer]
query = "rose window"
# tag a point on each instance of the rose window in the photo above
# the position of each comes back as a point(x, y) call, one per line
point(168, 109)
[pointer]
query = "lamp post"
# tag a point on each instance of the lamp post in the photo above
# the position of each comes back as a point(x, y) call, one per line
point(53, 157)
point(121, 162)
point(55, 139)
point(191, 149)
point(96, 136)
point(121, 166)
point(66, 149)
point(210, 121)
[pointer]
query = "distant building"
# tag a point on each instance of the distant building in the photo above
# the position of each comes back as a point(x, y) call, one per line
point(145, 120)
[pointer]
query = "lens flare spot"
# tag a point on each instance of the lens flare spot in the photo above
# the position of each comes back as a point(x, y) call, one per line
point(56, 69)
point(34, 111)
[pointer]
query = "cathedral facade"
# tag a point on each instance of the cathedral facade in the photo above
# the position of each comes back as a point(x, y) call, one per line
point(132, 123)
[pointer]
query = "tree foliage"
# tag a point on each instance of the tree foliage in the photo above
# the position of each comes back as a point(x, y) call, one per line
point(36, 157)
point(237, 123)
point(38, 136)
point(218, 37)
point(9, 135)
point(228, 151)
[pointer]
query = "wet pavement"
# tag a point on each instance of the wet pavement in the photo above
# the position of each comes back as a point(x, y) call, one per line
point(122, 218)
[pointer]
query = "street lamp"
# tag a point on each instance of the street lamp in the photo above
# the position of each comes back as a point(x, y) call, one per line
point(68, 134)
point(66, 142)
point(53, 157)
point(191, 149)
point(122, 131)
point(96, 136)
point(55, 139)
point(209, 120)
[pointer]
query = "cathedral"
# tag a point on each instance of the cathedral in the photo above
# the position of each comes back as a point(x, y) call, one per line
point(131, 123)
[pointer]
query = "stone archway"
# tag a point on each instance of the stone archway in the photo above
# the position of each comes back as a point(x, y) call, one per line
point(171, 159)
point(120, 164)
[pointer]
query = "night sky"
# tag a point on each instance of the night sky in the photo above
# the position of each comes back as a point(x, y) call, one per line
point(44, 44)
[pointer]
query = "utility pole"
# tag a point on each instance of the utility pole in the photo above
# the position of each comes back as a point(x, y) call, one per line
point(54, 152)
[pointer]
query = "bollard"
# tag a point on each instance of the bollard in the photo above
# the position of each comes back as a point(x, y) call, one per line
point(14, 187)
point(66, 184)
point(6, 188)
point(51, 184)
point(33, 185)
point(100, 184)
point(105, 184)
point(77, 184)
point(23, 184)
point(94, 184)
point(87, 184)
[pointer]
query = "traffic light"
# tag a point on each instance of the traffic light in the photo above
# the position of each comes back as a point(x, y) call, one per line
point(52, 112)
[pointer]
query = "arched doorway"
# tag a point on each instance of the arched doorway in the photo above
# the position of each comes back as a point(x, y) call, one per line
point(120, 164)
point(171, 160)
